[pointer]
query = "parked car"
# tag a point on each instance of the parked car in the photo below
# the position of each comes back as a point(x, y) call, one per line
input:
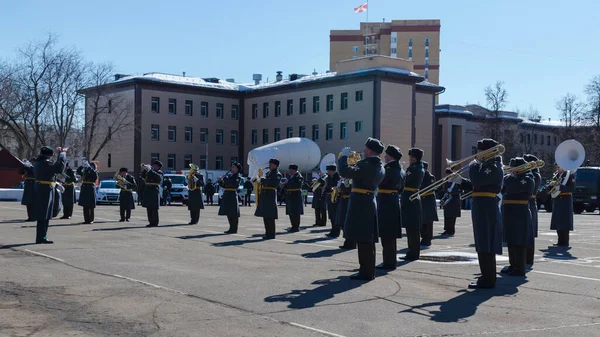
point(587, 190)
point(108, 193)
point(179, 190)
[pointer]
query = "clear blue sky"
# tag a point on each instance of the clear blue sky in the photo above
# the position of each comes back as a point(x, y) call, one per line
point(540, 49)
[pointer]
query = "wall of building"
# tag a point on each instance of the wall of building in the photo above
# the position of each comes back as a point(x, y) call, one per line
point(396, 115)
point(424, 124)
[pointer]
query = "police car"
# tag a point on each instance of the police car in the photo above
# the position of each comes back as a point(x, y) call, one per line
point(107, 192)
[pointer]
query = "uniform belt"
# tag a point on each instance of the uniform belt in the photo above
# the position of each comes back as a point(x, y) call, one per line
point(29, 178)
point(230, 189)
point(410, 189)
point(153, 184)
point(383, 191)
point(484, 194)
point(427, 194)
point(125, 190)
point(515, 202)
point(89, 183)
point(43, 182)
point(67, 184)
point(193, 189)
point(294, 189)
point(362, 191)
point(564, 194)
point(533, 196)
point(269, 188)
point(345, 196)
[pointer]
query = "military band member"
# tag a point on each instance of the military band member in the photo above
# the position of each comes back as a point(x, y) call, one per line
point(87, 194)
point(167, 186)
point(389, 216)
point(229, 202)
point(68, 196)
point(267, 200)
point(153, 177)
point(452, 209)
point(428, 208)
point(562, 208)
point(209, 190)
point(411, 210)
point(319, 203)
point(294, 206)
point(126, 202)
point(195, 202)
point(58, 191)
point(533, 208)
point(331, 182)
point(486, 178)
point(361, 218)
point(249, 187)
point(45, 173)
point(342, 209)
point(28, 187)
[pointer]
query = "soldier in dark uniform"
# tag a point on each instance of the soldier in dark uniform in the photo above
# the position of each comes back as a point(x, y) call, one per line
point(209, 190)
point(389, 216)
point(167, 185)
point(562, 208)
point(28, 188)
point(516, 217)
point(68, 196)
point(267, 200)
point(126, 202)
point(361, 218)
point(87, 194)
point(153, 178)
point(45, 173)
point(486, 178)
point(249, 187)
point(58, 191)
point(294, 206)
point(428, 208)
point(452, 209)
point(195, 202)
point(229, 203)
point(342, 209)
point(533, 208)
point(411, 210)
point(331, 181)
point(319, 203)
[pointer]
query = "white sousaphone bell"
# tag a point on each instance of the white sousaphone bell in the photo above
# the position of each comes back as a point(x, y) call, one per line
point(569, 155)
point(329, 159)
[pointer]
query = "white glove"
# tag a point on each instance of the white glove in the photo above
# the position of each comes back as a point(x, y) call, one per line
point(60, 188)
point(147, 167)
point(346, 151)
point(86, 164)
point(63, 155)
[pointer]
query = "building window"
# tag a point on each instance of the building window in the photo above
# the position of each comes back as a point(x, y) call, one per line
point(277, 134)
point(219, 163)
point(203, 136)
point(171, 161)
point(234, 112)
point(426, 55)
point(204, 109)
point(410, 42)
point(344, 130)
point(187, 160)
point(554, 140)
point(290, 132)
point(393, 50)
point(302, 131)
point(394, 40)
point(154, 157)
point(358, 127)
point(109, 133)
point(202, 163)
point(172, 106)
point(427, 42)
point(426, 63)
point(535, 139)
point(254, 111)
point(355, 49)
point(344, 103)
point(426, 74)
point(329, 106)
point(329, 133)
point(219, 136)
point(265, 110)
point(410, 53)
point(254, 137)
point(189, 108)
point(548, 140)
point(188, 134)
point(155, 132)
point(156, 104)
point(219, 110)
point(302, 106)
point(315, 132)
point(234, 137)
point(109, 161)
point(265, 139)
point(172, 133)
point(234, 159)
point(277, 108)
point(358, 96)
point(290, 107)
point(316, 104)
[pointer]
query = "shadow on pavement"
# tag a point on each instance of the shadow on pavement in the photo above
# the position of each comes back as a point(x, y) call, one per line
point(15, 245)
point(308, 298)
point(136, 227)
point(558, 253)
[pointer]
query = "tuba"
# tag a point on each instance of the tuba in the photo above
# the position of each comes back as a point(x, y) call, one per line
point(121, 182)
point(353, 158)
point(569, 155)
point(192, 186)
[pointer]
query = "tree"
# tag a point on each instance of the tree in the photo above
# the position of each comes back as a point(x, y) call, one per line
point(496, 97)
point(571, 111)
point(592, 90)
point(494, 124)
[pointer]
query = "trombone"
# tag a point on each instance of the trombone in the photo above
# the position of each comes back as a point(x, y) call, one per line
point(524, 168)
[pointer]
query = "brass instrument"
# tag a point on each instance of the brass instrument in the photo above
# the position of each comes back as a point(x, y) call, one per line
point(192, 186)
point(466, 195)
point(458, 169)
point(569, 155)
point(353, 158)
point(121, 182)
point(524, 168)
point(257, 184)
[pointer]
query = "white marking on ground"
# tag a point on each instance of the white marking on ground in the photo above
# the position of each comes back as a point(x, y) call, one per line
point(45, 255)
point(315, 330)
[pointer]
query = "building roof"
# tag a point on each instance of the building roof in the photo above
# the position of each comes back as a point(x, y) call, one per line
point(476, 111)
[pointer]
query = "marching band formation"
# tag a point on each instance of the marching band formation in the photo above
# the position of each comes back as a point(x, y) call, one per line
point(365, 198)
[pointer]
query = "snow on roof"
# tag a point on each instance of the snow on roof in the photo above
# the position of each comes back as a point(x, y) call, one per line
point(543, 123)
point(182, 80)
point(454, 111)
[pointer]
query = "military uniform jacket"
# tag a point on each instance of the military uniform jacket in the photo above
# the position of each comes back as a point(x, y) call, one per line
point(516, 216)
point(533, 201)
point(209, 189)
point(167, 185)
point(319, 201)
point(562, 206)
point(267, 200)
point(195, 201)
point(68, 196)
point(28, 185)
point(45, 171)
point(361, 218)
point(330, 184)
point(411, 210)
point(153, 180)
point(342, 207)
point(229, 202)
point(294, 203)
point(452, 208)
point(126, 195)
point(87, 194)
point(389, 216)
point(487, 222)
point(57, 203)
point(428, 203)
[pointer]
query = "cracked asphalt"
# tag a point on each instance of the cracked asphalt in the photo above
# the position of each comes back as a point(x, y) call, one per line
point(123, 279)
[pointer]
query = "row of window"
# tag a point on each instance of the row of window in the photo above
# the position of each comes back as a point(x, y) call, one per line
point(523, 138)
point(189, 108)
point(188, 134)
point(316, 106)
point(358, 127)
point(171, 163)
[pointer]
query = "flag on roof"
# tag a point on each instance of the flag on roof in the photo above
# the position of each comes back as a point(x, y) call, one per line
point(361, 8)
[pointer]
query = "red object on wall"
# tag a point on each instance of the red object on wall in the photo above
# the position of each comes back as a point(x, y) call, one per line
point(9, 169)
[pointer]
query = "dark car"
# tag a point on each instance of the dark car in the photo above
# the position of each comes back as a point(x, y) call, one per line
point(587, 189)
point(544, 199)
point(19, 186)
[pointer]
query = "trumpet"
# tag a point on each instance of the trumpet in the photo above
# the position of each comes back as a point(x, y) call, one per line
point(257, 184)
point(524, 168)
point(190, 177)
point(353, 158)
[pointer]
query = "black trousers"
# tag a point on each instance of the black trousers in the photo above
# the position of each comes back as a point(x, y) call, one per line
point(321, 216)
point(389, 251)
point(269, 227)
point(530, 254)
point(68, 210)
point(29, 212)
point(487, 265)
point(152, 216)
point(88, 214)
point(413, 237)
point(125, 212)
point(305, 200)
point(427, 232)
point(195, 216)
point(41, 230)
point(233, 223)
point(449, 225)
point(517, 256)
point(247, 199)
point(209, 198)
point(366, 259)
point(295, 221)
point(563, 237)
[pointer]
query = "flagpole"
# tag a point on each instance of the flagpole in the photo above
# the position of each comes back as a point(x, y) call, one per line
point(367, 31)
